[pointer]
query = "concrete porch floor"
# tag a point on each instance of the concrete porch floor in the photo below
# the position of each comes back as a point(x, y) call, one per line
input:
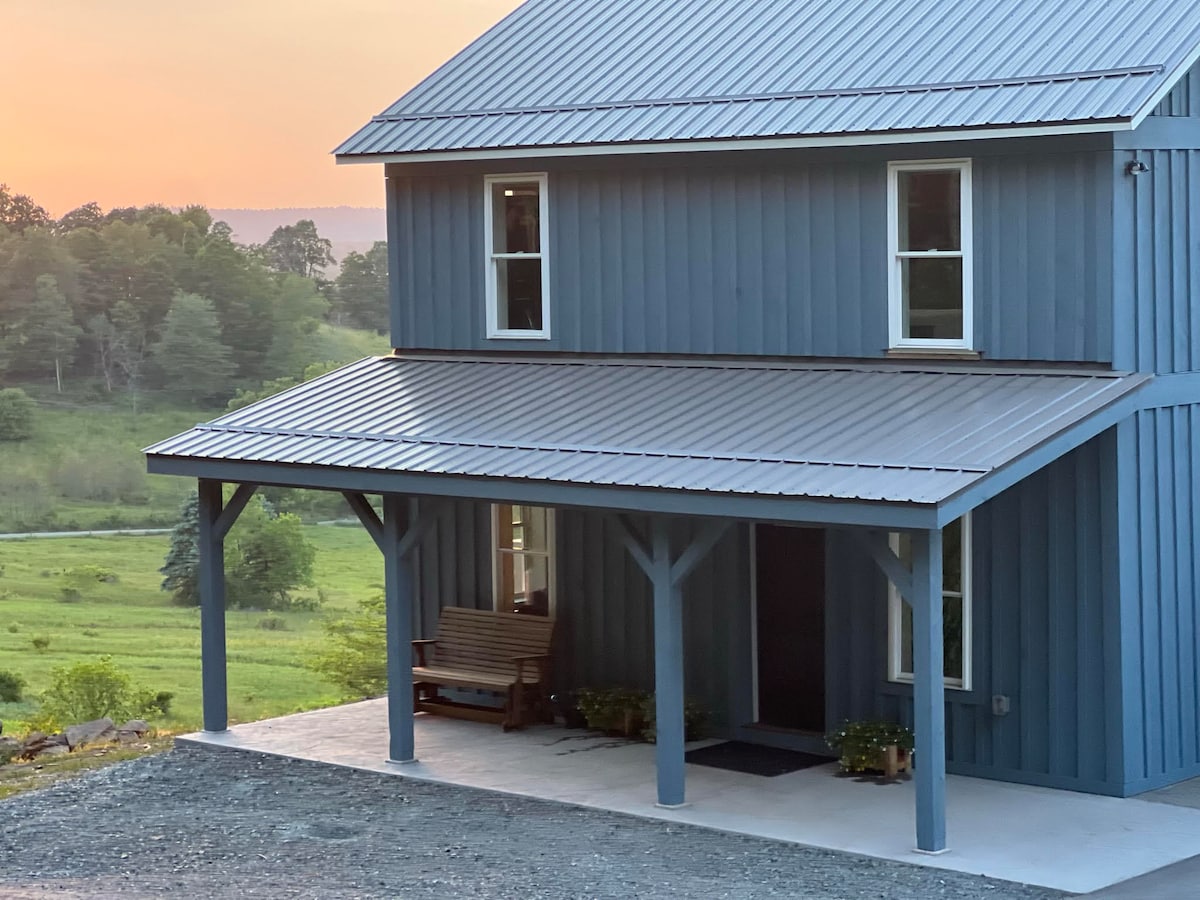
point(1058, 839)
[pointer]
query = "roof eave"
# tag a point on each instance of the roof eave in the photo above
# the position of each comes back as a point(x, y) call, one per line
point(793, 142)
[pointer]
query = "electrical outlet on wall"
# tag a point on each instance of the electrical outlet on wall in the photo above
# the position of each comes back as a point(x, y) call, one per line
point(1001, 704)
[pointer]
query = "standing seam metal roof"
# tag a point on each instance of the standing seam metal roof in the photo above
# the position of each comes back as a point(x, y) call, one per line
point(572, 72)
point(879, 433)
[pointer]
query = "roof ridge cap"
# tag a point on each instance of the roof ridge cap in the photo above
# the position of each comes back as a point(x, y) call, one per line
point(812, 94)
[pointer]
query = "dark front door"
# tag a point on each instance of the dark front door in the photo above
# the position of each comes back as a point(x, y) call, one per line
point(791, 627)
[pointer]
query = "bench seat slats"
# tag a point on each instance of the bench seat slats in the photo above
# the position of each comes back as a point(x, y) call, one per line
point(474, 648)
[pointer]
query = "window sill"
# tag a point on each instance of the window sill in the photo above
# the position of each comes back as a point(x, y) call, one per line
point(968, 696)
point(519, 336)
point(932, 353)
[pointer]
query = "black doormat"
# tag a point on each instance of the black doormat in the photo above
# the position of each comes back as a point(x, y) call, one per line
point(753, 759)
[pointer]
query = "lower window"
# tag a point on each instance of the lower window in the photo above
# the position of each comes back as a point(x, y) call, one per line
point(956, 609)
point(523, 559)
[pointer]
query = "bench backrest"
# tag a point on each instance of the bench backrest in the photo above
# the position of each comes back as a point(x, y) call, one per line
point(483, 640)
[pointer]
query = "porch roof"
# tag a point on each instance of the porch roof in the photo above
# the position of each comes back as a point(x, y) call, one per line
point(884, 443)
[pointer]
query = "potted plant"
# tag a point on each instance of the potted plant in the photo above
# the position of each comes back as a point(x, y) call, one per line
point(872, 747)
point(694, 720)
point(613, 710)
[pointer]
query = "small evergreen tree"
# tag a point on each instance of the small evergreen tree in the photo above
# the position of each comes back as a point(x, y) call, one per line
point(181, 570)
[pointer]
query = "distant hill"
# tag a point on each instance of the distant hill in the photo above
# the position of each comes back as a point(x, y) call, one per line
point(349, 228)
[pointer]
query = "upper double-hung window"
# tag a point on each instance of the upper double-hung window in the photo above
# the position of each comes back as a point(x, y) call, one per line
point(929, 237)
point(516, 232)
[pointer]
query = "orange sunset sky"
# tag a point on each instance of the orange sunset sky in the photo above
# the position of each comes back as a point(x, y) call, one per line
point(228, 103)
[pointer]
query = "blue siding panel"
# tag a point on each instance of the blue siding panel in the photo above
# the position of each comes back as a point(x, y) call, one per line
point(1184, 98)
point(1159, 220)
point(1159, 501)
point(787, 257)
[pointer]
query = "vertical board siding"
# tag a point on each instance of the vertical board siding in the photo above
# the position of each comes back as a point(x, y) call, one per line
point(1037, 633)
point(1043, 276)
point(787, 258)
point(1163, 733)
point(1184, 99)
point(605, 610)
point(1161, 224)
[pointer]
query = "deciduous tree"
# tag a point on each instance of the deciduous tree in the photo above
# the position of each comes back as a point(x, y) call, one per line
point(18, 212)
point(298, 249)
point(361, 290)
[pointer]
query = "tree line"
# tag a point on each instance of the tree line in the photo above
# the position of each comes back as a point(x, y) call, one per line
point(150, 298)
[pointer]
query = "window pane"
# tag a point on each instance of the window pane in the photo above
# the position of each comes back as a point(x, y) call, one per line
point(524, 583)
point(516, 218)
point(952, 558)
point(952, 644)
point(519, 294)
point(933, 297)
point(523, 528)
point(952, 603)
point(929, 211)
point(951, 638)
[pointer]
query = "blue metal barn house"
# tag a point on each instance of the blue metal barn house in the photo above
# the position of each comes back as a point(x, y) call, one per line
point(818, 360)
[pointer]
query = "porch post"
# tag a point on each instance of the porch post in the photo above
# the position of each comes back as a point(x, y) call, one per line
point(211, 547)
point(398, 597)
point(929, 706)
point(668, 670)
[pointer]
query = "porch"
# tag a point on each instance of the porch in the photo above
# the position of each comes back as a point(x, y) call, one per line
point(1059, 839)
point(648, 445)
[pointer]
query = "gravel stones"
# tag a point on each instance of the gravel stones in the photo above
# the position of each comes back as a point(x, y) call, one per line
point(228, 824)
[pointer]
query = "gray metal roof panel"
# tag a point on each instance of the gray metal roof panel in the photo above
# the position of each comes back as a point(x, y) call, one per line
point(855, 432)
point(573, 72)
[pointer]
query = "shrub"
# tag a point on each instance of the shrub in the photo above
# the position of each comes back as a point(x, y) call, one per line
point(91, 689)
point(75, 579)
point(11, 685)
point(16, 415)
point(273, 623)
point(356, 654)
point(40, 643)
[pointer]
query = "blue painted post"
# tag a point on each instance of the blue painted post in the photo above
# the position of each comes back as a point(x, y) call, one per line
point(929, 704)
point(398, 595)
point(212, 609)
point(668, 670)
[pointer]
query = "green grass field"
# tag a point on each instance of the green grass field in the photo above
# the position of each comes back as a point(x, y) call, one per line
point(158, 643)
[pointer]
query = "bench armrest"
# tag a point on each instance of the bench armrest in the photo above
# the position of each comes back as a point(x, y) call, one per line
point(540, 658)
point(420, 646)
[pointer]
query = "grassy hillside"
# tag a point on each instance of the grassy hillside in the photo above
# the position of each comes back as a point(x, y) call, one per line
point(159, 644)
point(83, 469)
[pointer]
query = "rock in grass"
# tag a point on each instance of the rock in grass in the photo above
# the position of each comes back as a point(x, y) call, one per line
point(90, 732)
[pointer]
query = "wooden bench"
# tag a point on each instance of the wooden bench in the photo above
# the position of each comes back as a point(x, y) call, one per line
point(501, 652)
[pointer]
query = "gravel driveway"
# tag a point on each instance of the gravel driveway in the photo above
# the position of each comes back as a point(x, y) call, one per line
point(224, 824)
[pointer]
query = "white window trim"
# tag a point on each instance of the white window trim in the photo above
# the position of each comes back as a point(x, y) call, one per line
point(896, 337)
point(494, 331)
point(896, 632)
point(549, 553)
